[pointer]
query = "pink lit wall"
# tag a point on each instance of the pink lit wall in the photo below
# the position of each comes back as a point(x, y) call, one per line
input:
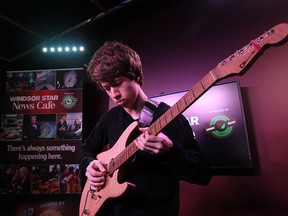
point(179, 45)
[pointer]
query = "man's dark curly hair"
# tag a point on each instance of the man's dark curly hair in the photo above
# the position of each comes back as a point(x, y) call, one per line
point(113, 60)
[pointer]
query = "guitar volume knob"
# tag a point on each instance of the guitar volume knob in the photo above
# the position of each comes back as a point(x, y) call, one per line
point(86, 212)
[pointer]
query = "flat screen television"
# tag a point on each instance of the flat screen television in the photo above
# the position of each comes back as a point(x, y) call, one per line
point(218, 121)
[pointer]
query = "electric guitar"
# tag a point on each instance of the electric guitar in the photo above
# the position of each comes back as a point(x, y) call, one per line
point(114, 159)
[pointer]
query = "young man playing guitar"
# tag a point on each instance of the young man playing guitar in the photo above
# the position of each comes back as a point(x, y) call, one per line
point(163, 159)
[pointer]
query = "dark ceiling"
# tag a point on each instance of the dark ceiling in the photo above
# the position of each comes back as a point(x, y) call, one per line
point(27, 25)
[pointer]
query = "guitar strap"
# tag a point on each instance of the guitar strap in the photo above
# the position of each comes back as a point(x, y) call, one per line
point(146, 115)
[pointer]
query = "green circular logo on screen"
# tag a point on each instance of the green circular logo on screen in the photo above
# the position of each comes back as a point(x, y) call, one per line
point(69, 101)
point(220, 126)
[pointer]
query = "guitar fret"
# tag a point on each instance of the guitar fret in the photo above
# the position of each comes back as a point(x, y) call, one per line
point(152, 129)
point(118, 162)
point(133, 148)
point(177, 107)
point(122, 157)
point(182, 103)
point(197, 89)
point(160, 122)
point(174, 112)
point(211, 72)
point(190, 98)
point(202, 85)
point(184, 99)
point(157, 127)
point(165, 117)
point(193, 93)
point(219, 72)
point(208, 80)
point(129, 152)
point(169, 118)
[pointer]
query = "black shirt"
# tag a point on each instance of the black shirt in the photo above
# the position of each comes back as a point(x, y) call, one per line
point(156, 177)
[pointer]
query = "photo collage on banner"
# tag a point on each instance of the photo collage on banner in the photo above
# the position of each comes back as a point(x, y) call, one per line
point(41, 132)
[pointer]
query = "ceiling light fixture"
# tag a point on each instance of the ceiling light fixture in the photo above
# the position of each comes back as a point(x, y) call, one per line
point(60, 49)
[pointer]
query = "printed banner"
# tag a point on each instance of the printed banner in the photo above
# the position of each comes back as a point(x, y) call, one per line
point(48, 206)
point(41, 131)
point(45, 101)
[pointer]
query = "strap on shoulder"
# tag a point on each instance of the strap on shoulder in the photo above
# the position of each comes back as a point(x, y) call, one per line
point(146, 115)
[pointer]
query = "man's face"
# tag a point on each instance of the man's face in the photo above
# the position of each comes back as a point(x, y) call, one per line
point(123, 91)
point(33, 119)
point(78, 118)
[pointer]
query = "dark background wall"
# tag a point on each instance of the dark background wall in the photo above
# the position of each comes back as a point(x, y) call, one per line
point(179, 45)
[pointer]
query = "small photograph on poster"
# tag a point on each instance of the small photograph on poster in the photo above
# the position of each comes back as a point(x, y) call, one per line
point(74, 121)
point(45, 179)
point(70, 181)
point(69, 79)
point(15, 179)
point(11, 127)
point(69, 125)
point(45, 80)
point(20, 81)
point(39, 126)
point(62, 126)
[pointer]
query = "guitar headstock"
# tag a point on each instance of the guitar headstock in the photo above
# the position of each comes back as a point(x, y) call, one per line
point(236, 62)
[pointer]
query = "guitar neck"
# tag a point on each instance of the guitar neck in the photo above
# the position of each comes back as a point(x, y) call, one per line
point(202, 86)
